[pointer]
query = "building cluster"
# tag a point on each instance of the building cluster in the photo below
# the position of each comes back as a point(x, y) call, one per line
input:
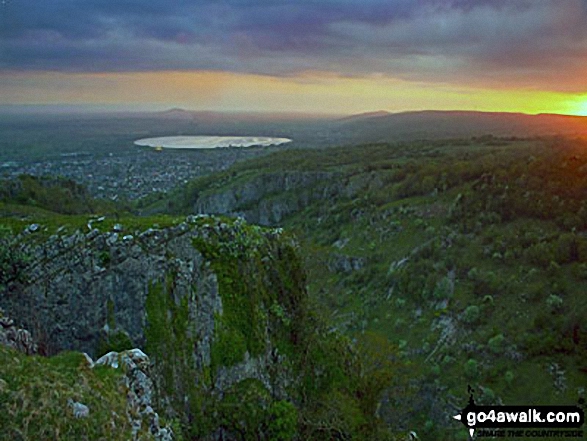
point(129, 175)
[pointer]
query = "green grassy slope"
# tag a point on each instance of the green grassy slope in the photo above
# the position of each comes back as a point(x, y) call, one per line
point(470, 256)
point(53, 194)
point(34, 394)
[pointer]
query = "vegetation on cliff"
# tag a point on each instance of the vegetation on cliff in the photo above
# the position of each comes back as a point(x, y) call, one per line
point(264, 365)
point(469, 256)
point(314, 386)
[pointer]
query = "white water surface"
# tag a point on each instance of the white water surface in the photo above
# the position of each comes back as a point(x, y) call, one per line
point(209, 142)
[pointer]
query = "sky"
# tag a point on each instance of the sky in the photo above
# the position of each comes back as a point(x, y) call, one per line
point(316, 56)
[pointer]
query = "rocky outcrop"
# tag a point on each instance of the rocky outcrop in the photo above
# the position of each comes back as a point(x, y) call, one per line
point(268, 198)
point(14, 337)
point(137, 379)
point(78, 284)
point(212, 301)
point(340, 263)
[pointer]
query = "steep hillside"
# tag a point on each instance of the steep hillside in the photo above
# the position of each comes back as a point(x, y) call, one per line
point(58, 195)
point(219, 305)
point(469, 256)
point(68, 396)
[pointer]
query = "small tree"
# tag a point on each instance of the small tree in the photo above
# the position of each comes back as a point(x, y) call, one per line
point(554, 302)
point(283, 421)
point(496, 343)
point(471, 369)
point(471, 314)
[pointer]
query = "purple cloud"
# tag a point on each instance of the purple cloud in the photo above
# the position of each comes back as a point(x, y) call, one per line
point(532, 43)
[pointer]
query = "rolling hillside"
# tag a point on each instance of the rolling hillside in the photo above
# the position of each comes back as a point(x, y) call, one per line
point(469, 257)
point(381, 127)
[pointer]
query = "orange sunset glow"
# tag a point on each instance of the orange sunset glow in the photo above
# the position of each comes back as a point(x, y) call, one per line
point(312, 93)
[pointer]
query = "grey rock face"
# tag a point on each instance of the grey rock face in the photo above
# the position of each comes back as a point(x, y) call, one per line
point(14, 337)
point(345, 264)
point(264, 368)
point(80, 283)
point(140, 392)
point(268, 198)
point(84, 287)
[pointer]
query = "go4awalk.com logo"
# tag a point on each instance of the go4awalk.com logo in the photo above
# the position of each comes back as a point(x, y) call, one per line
point(522, 421)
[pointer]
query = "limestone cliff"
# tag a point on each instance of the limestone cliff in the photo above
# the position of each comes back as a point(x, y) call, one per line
point(267, 198)
point(216, 304)
point(13, 337)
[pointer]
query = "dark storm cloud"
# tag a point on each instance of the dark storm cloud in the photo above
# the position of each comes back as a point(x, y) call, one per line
point(444, 40)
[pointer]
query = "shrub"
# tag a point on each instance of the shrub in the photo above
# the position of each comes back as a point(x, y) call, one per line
point(496, 343)
point(283, 420)
point(447, 359)
point(116, 341)
point(473, 274)
point(443, 290)
point(13, 258)
point(487, 395)
point(471, 369)
point(554, 302)
point(471, 314)
point(509, 377)
point(540, 254)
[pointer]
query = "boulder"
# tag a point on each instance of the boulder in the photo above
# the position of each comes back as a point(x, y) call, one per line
point(14, 337)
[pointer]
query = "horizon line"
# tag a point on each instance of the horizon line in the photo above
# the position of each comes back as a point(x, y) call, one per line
point(91, 108)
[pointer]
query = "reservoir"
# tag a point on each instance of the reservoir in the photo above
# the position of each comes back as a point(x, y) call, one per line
point(209, 142)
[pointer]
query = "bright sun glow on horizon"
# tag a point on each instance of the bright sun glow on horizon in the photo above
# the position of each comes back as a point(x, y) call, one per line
point(582, 109)
point(578, 106)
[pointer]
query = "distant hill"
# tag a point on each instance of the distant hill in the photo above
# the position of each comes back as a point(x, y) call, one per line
point(379, 126)
point(219, 117)
point(175, 113)
point(364, 116)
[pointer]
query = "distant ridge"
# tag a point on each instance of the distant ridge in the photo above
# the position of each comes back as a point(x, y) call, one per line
point(217, 116)
point(378, 126)
point(174, 110)
point(175, 113)
point(366, 115)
